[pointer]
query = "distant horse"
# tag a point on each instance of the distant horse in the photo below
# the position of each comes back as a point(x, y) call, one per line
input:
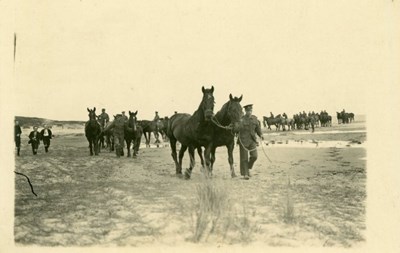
point(162, 127)
point(193, 132)
point(133, 134)
point(285, 121)
point(92, 131)
point(342, 117)
point(101, 137)
point(150, 126)
point(270, 121)
point(325, 119)
point(109, 137)
point(351, 117)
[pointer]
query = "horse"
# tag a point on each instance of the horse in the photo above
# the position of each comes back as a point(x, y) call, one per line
point(109, 137)
point(351, 117)
point(162, 127)
point(269, 121)
point(285, 121)
point(102, 124)
point(133, 134)
point(325, 119)
point(226, 125)
point(193, 131)
point(92, 132)
point(343, 116)
point(150, 126)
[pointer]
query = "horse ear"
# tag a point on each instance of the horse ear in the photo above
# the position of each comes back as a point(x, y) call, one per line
point(136, 113)
point(94, 109)
point(88, 109)
point(202, 89)
point(240, 99)
point(212, 89)
point(129, 112)
point(230, 97)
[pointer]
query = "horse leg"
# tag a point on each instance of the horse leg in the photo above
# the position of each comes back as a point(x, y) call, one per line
point(128, 147)
point(188, 171)
point(135, 149)
point(157, 136)
point(148, 138)
point(200, 153)
point(91, 147)
point(207, 155)
point(181, 154)
point(230, 159)
point(178, 168)
point(212, 158)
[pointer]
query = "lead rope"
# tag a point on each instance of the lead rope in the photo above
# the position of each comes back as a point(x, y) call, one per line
point(228, 128)
point(249, 150)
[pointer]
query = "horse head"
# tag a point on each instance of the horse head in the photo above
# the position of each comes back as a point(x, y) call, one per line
point(207, 103)
point(132, 120)
point(92, 114)
point(235, 111)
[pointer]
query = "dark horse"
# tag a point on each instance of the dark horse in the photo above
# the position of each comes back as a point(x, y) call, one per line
point(193, 131)
point(150, 126)
point(133, 134)
point(226, 125)
point(92, 131)
point(269, 121)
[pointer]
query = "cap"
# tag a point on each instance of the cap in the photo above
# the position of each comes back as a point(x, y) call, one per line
point(248, 107)
point(156, 112)
point(123, 111)
point(103, 109)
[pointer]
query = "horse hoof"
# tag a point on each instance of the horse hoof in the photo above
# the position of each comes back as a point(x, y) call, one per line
point(187, 175)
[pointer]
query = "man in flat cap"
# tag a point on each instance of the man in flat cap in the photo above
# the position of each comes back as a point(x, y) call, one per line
point(249, 127)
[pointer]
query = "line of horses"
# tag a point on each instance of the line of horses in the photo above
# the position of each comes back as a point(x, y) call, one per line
point(203, 129)
point(305, 121)
point(298, 121)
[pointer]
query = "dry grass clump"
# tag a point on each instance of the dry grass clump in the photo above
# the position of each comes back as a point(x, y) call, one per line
point(215, 219)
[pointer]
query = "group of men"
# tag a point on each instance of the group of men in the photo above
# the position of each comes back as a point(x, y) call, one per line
point(35, 137)
point(247, 139)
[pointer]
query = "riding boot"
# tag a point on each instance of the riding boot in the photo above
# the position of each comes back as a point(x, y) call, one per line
point(46, 149)
point(18, 151)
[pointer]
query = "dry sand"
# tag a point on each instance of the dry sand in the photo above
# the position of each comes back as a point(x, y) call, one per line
point(304, 197)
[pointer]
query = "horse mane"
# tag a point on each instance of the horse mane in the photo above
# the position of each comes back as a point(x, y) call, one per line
point(220, 115)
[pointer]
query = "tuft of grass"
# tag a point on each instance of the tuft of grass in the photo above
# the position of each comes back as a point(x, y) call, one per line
point(211, 202)
point(288, 208)
point(214, 217)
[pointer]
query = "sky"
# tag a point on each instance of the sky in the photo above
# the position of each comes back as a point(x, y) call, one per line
point(282, 56)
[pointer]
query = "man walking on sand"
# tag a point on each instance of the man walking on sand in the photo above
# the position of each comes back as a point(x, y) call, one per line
point(249, 127)
point(17, 136)
point(34, 139)
point(46, 135)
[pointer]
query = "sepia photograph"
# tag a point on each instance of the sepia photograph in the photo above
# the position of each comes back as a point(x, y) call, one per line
point(200, 125)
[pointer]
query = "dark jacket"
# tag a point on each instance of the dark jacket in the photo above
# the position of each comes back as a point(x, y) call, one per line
point(249, 127)
point(33, 137)
point(17, 132)
point(50, 134)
